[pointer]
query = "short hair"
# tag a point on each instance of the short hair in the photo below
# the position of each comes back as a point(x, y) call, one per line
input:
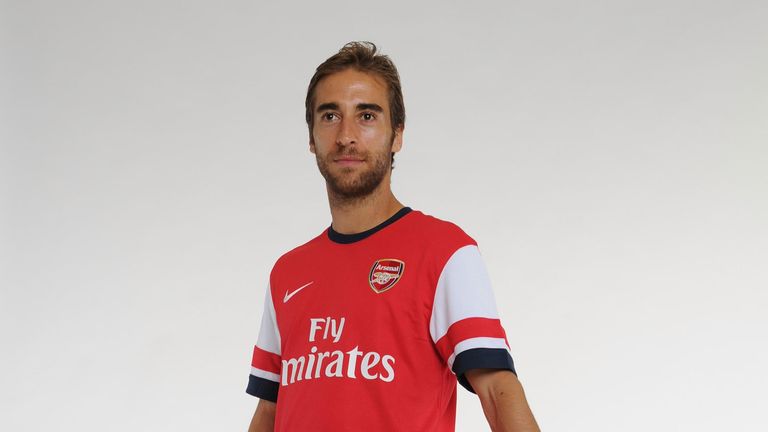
point(364, 57)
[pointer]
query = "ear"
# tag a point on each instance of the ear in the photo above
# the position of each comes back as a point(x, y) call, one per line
point(397, 143)
point(311, 144)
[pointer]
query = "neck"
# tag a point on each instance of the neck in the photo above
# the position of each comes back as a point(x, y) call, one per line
point(351, 216)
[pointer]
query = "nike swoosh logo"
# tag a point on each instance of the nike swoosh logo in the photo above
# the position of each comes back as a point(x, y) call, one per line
point(291, 294)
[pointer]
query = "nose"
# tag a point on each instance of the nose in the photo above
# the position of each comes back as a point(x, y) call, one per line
point(347, 133)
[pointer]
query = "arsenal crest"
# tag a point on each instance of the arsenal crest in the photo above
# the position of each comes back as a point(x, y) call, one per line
point(384, 274)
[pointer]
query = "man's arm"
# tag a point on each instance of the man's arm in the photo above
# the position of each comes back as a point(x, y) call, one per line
point(264, 417)
point(503, 400)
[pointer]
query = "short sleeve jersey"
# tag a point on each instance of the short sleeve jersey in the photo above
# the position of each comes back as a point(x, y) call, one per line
point(370, 331)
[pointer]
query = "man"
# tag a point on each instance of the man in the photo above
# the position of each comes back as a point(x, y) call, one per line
point(368, 325)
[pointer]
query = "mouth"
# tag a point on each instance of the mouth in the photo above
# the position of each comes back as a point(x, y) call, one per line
point(348, 161)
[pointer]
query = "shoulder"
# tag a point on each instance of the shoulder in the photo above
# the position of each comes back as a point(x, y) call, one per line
point(438, 239)
point(440, 231)
point(298, 256)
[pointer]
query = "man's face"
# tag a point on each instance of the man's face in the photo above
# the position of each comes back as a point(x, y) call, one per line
point(352, 136)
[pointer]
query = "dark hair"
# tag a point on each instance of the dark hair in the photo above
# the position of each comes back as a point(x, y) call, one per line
point(364, 57)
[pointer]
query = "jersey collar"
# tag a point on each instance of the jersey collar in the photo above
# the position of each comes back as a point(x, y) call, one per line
point(351, 238)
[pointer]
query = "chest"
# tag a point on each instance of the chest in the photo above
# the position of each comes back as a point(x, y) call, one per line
point(357, 296)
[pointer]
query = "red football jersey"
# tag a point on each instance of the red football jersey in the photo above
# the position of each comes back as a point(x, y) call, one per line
point(370, 331)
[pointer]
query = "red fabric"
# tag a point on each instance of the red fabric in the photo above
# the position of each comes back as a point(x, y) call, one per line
point(380, 369)
point(265, 360)
point(466, 329)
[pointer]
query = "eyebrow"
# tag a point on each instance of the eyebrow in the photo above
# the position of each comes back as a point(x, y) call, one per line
point(327, 106)
point(370, 107)
point(360, 107)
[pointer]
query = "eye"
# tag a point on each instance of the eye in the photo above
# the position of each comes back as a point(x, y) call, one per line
point(368, 116)
point(328, 116)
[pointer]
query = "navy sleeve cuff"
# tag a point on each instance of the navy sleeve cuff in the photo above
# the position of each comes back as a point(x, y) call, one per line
point(262, 388)
point(481, 358)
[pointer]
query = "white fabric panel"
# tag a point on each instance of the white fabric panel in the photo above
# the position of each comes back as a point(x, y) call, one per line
point(463, 291)
point(269, 336)
point(479, 342)
point(264, 374)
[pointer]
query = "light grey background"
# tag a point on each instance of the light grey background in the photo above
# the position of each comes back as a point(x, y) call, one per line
point(608, 156)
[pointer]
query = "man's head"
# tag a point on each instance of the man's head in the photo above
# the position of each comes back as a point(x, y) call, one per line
point(355, 115)
point(364, 57)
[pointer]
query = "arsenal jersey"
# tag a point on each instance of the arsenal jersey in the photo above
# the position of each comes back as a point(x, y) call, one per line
point(372, 331)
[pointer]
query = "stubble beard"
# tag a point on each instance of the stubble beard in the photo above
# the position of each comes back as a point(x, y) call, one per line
point(345, 187)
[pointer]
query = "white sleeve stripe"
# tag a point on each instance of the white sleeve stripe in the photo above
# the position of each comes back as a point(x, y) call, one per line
point(269, 335)
point(273, 316)
point(463, 291)
point(267, 350)
point(478, 342)
point(264, 374)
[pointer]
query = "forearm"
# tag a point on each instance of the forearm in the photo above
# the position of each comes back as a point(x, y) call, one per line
point(504, 403)
point(264, 418)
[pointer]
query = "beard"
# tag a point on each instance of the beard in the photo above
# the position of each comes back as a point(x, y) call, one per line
point(348, 186)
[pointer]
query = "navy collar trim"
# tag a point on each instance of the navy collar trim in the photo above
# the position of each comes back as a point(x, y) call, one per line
point(351, 238)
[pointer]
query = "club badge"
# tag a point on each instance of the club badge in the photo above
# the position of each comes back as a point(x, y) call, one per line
point(384, 274)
